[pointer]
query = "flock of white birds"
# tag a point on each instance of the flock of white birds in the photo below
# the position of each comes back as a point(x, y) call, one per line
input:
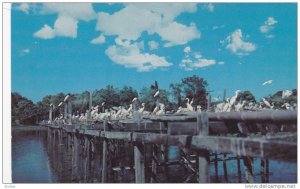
point(118, 113)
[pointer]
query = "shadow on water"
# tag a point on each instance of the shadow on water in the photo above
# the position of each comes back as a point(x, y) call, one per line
point(35, 159)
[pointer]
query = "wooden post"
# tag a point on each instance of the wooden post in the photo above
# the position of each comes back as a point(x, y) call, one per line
point(75, 157)
point(70, 111)
point(154, 163)
point(262, 171)
point(216, 166)
point(267, 171)
point(203, 155)
point(224, 95)
point(139, 163)
point(90, 106)
point(104, 156)
point(65, 110)
point(50, 113)
point(239, 169)
point(208, 103)
point(225, 168)
point(248, 169)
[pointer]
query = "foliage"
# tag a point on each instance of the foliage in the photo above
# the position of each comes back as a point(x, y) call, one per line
point(192, 87)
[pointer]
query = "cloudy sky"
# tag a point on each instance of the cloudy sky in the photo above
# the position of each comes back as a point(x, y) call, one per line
point(73, 47)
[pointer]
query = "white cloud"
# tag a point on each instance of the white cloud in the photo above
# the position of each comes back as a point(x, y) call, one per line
point(221, 62)
point(45, 33)
point(268, 26)
point(196, 61)
point(26, 51)
point(237, 45)
point(210, 7)
point(153, 45)
point(187, 49)
point(64, 26)
point(78, 11)
point(271, 21)
point(135, 18)
point(98, 40)
point(130, 55)
point(24, 7)
point(69, 14)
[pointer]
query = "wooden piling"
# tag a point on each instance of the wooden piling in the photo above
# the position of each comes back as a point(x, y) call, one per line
point(248, 169)
point(262, 171)
point(239, 169)
point(225, 168)
point(104, 156)
point(139, 163)
point(216, 167)
point(154, 163)
point(203, 154)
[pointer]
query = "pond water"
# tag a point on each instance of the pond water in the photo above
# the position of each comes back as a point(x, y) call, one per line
point(32, 162)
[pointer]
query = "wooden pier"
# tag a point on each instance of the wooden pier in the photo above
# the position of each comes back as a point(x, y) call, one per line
point(200, 137)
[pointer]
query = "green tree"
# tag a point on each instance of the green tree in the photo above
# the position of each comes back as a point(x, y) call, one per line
point(192, 87)
point(127, 94)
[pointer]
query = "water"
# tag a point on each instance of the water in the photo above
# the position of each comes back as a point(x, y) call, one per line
point(30, 161)
point(35, 161)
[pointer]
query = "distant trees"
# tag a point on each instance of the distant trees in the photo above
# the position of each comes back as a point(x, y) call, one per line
point(192, 87)
point(22, 110)
point(25, 111)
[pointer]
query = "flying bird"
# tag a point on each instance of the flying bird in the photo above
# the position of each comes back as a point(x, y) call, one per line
point(267, 82)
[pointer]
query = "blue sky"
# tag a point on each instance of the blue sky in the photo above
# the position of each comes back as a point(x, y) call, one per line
point(73, 47)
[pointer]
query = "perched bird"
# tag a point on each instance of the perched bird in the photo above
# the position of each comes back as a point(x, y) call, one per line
point(286, 93)
point(233, 99)
point(267, 103)
point(156, 94)
point(188, 105)
point(66, 98)
point(141, 110)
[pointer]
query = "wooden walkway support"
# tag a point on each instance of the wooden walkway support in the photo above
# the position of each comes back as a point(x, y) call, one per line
point(205, 133)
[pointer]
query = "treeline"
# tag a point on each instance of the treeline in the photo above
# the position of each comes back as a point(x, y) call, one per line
point(24, 111)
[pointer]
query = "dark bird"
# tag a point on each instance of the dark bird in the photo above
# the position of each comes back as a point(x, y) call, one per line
point(154, 86)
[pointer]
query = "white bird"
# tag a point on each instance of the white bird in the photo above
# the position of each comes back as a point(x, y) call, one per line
point(287, 106)
point(66, 98)
point(133, 100)
point(267, 103)
point(199, 108)
point(239, 106)
point(286, 93)
point(141, 110)
point(179, 109)
point(188, 105)
point(267, 82)
point(233, 99)
point(156, 94)
point(161, 109)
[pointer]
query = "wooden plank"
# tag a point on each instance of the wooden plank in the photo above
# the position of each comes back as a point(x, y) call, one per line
point(247, 147)
point(164, 139)
point(277, 116)
point(116, 135)
point(92, 132)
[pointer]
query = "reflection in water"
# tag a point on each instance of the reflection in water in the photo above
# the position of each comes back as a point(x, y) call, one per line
point(36, 159)
point(30, 161)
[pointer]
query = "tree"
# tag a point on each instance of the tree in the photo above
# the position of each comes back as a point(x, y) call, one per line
point(247, 96)
point(127, 94)
point(192, 87)
point(23, 110)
